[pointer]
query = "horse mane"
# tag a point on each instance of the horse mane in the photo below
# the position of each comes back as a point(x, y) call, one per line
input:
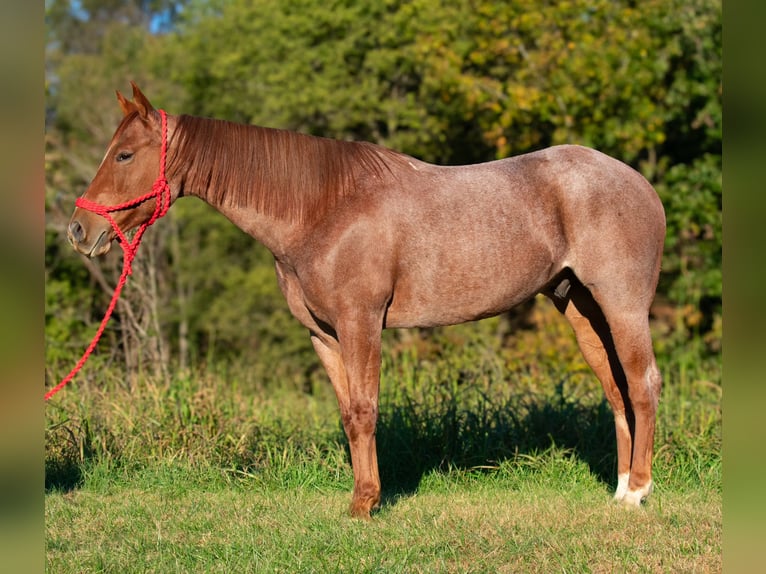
point(284, 174)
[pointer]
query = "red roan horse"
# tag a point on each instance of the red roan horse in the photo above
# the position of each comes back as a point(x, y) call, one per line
point(365, 238)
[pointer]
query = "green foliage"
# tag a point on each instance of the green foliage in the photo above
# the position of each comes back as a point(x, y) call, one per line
point(172, 519)
point(423, 76)
point(237, 425)
point(692, 195)
point(68, 302)
point(452, 82)
point(479, 450)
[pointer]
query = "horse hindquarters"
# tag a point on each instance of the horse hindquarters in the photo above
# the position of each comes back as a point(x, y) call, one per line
point(615, 230)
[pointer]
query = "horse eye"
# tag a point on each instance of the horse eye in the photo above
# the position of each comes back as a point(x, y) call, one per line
point(124, 156)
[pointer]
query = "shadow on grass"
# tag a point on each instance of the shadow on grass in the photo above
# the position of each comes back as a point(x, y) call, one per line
point(67, 450)
point(415, 439)
point(62, 475)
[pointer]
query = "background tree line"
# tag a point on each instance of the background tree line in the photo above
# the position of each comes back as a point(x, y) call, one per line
point(448, 82)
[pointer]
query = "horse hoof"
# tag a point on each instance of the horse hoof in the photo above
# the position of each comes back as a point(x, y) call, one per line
point(361, 507)
point(359, 512)
point(634, 498)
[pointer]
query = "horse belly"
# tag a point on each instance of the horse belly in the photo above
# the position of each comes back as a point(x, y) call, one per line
point(457, 289)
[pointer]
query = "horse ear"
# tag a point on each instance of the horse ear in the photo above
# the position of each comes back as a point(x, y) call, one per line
point(140, 102)
point(126, 105)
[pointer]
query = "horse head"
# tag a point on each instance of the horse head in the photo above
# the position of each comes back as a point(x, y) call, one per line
point(127, 172)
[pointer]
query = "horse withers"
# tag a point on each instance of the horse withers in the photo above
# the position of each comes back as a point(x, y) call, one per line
point(366, 238)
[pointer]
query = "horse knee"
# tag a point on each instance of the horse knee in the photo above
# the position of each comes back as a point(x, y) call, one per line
point(654, 381)
point(360, 419)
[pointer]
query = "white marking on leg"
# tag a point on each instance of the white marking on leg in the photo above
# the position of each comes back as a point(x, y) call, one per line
point(634, 497)
point(622, 486)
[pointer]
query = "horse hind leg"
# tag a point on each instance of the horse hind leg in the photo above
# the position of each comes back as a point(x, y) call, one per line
point(595, 341)
point(633, 343)
point(616, 343)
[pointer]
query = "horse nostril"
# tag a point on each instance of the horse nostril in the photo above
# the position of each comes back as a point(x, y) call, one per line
point(76, 232)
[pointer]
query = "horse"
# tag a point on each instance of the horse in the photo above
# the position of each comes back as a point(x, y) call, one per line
point(365, 238)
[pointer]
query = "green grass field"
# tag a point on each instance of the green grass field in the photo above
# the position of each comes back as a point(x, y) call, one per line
point(494, 457)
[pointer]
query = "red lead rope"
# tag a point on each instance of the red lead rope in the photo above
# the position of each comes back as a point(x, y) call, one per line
point(160, 191)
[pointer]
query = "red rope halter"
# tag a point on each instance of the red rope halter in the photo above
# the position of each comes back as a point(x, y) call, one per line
point(160, 191)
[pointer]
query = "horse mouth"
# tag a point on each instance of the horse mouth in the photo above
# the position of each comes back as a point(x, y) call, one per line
point(101, 246)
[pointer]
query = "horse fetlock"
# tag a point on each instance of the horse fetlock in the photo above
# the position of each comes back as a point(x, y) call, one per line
point(361, 506)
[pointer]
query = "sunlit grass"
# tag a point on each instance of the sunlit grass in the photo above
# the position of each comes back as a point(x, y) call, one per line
point(553, 517)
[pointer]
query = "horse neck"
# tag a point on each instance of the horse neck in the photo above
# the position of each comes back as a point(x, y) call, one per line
point(244, 173)
point(274, 184)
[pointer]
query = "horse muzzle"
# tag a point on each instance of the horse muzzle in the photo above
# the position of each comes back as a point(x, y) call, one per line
point(90, 243)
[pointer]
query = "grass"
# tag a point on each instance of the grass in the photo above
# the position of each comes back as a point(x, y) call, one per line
point(494, 456)
point(168, 520)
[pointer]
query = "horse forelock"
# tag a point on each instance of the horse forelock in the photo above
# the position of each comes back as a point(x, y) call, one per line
point(283, 174)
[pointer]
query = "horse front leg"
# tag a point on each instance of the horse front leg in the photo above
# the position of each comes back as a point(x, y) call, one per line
point(353, 366)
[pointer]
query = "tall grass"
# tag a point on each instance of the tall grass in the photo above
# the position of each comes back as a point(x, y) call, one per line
point(461, 401)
